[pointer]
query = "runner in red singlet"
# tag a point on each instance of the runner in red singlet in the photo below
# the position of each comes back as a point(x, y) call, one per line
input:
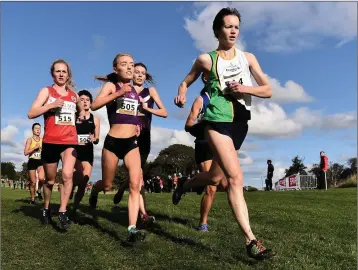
point(58, 104)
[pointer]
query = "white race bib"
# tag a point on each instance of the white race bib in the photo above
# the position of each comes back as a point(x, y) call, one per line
point(36, 155)
point(66, 115)
point(65, 119)
point(127, 106)
point(83, 139)
point(239, 77)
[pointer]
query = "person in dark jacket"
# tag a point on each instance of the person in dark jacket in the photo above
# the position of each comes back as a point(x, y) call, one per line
point(270, 169)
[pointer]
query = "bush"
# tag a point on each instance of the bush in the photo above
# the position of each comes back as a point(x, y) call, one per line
point(349, 182)
point(250, 189)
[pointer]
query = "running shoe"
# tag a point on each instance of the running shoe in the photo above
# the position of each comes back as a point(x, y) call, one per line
point(39, 196)
point(178, 192)
point(136, 235)
point(118, 196)
point(46, 216)
point(203, 228)
point(93, 200)
point(64, 221)
point(257, 251)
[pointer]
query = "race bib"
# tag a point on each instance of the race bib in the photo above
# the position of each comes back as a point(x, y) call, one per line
point(66, 116)
point(36, 155)
point(127, 106)
point(83, 139)
point(65, 119)
point(240, 77)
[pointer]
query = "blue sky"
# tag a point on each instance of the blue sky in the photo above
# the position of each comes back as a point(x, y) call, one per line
point(309, 55)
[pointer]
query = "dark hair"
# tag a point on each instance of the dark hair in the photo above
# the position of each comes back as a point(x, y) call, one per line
point(219, 18)
point(35, 124)
point(269, 161)
point(321, 152)
point(85, 92)
point(113, 78)
point(148, 77)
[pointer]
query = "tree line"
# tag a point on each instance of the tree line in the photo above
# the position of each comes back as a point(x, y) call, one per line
point(181, 158)
point(335, 174)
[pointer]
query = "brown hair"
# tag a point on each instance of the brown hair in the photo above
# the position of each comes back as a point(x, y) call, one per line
point(219, 18)
point(148, 77)
point(70, 83)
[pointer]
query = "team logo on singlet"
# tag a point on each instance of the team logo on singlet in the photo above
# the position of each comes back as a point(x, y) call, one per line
point(74, 99)
point(132, 95)
point(232, 67)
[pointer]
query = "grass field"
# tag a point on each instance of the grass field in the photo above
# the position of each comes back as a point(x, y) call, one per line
point(307, 229)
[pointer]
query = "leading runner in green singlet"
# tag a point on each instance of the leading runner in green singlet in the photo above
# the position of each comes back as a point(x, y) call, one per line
point(229, 86)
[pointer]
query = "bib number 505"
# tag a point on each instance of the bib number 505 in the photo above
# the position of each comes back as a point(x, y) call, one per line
point(128, 107)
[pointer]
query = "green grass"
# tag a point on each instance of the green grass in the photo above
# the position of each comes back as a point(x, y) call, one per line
point(307, 229)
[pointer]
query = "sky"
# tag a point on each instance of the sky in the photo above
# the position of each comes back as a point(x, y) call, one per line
point(308, 50)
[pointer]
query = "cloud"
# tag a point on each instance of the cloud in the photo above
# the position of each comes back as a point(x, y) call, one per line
point(269, 120)
point(315, 119)
point(245, 159)
point(20, 122)
point(280, 26)
point(291, 92)
point(249, 146)
point(7, 135)
point(200, 28)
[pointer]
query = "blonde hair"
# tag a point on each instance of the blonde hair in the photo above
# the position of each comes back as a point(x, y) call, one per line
point(70, 83)
point(112, 77)
point(120, 55)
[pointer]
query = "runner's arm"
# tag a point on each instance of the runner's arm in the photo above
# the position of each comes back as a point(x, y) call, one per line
point(190, 126)
point(195, 108)
point(200, 65)
point(264, 89)
point(108, 93)
point(96, 130)
point(161, 111)
point(38, 108)
point(27, 150)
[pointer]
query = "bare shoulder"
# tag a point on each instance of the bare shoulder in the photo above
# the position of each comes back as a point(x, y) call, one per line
point(198, 101)
point(109, 88)
point(96, 118)
point(204, 59)
point(44, 91)
point(251, 58)
point(152, 90)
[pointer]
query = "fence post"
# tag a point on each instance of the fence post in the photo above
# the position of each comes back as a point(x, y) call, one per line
point(325, 180)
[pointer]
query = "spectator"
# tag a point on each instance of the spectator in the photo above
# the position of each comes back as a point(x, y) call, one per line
point(175, 181)
point(270, 169)
point(322, 181)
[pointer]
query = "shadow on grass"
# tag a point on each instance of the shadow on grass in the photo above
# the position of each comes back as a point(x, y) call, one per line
point(34, 211)
point(119, 215)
